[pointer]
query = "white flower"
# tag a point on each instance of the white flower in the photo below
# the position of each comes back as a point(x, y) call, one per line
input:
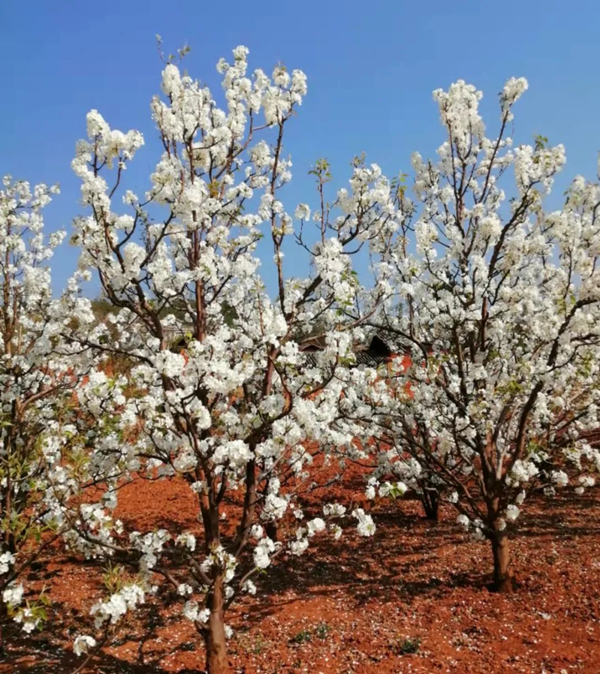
point(302, 212)
point(560, 478)
point(170, 364)
point(13, 594)
point(256, 531)
point(6, 559)
point(463, 521)
point(334, 510)
point(236, 452)
point(193, 612)
point(365, 526)
point(29, 625)
point(512, 512)
point(262, 553)
point(298, 546)
point(275, 507)
point(185, 462)
point(315, 526)
point(117, 605)
point(337, 531)
point(249, 587)
point(187, 540)
point(190, 610)
point(198, 487)
point(513, 89)
point(83, 643)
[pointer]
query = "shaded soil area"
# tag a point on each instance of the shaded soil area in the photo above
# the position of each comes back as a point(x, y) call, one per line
point(412, 599)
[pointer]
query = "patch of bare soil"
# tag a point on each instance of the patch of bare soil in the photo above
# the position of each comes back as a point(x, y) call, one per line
point(412, 599)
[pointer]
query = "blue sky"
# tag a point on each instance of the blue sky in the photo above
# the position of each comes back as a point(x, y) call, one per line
point(371, 68)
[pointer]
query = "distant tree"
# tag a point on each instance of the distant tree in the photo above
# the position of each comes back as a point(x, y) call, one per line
point(36, 382)
point(498, 302)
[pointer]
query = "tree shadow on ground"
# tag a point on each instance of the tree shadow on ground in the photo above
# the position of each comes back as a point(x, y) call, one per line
point(391, 567)
point(563, 517)
point(38, 655)
point(398, 565)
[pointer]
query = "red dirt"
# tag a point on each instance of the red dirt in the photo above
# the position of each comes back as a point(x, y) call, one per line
point(348, 606)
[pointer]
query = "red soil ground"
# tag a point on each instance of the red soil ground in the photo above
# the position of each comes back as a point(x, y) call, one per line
point(356, 605)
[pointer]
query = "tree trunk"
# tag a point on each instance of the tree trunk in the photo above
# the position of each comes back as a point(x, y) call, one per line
point(216, 647)
point(431, 504)
point(504, 580)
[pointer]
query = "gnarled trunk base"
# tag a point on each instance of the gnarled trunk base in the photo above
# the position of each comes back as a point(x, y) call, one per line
point(216, 652)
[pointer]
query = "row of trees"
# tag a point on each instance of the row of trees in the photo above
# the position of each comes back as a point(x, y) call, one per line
point(492, 300)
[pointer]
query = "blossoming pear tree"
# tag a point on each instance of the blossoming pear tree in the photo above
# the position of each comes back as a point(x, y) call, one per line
point(36, 383)
point(220, 391)
point(497, 305)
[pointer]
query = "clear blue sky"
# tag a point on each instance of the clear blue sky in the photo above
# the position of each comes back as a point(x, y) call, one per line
point(371, 69)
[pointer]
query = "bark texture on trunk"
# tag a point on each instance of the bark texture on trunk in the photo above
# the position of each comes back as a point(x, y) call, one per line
point(216, 645)
point(504, 580)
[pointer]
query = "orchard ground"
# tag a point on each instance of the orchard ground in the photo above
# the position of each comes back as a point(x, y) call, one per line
point(413, 598)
